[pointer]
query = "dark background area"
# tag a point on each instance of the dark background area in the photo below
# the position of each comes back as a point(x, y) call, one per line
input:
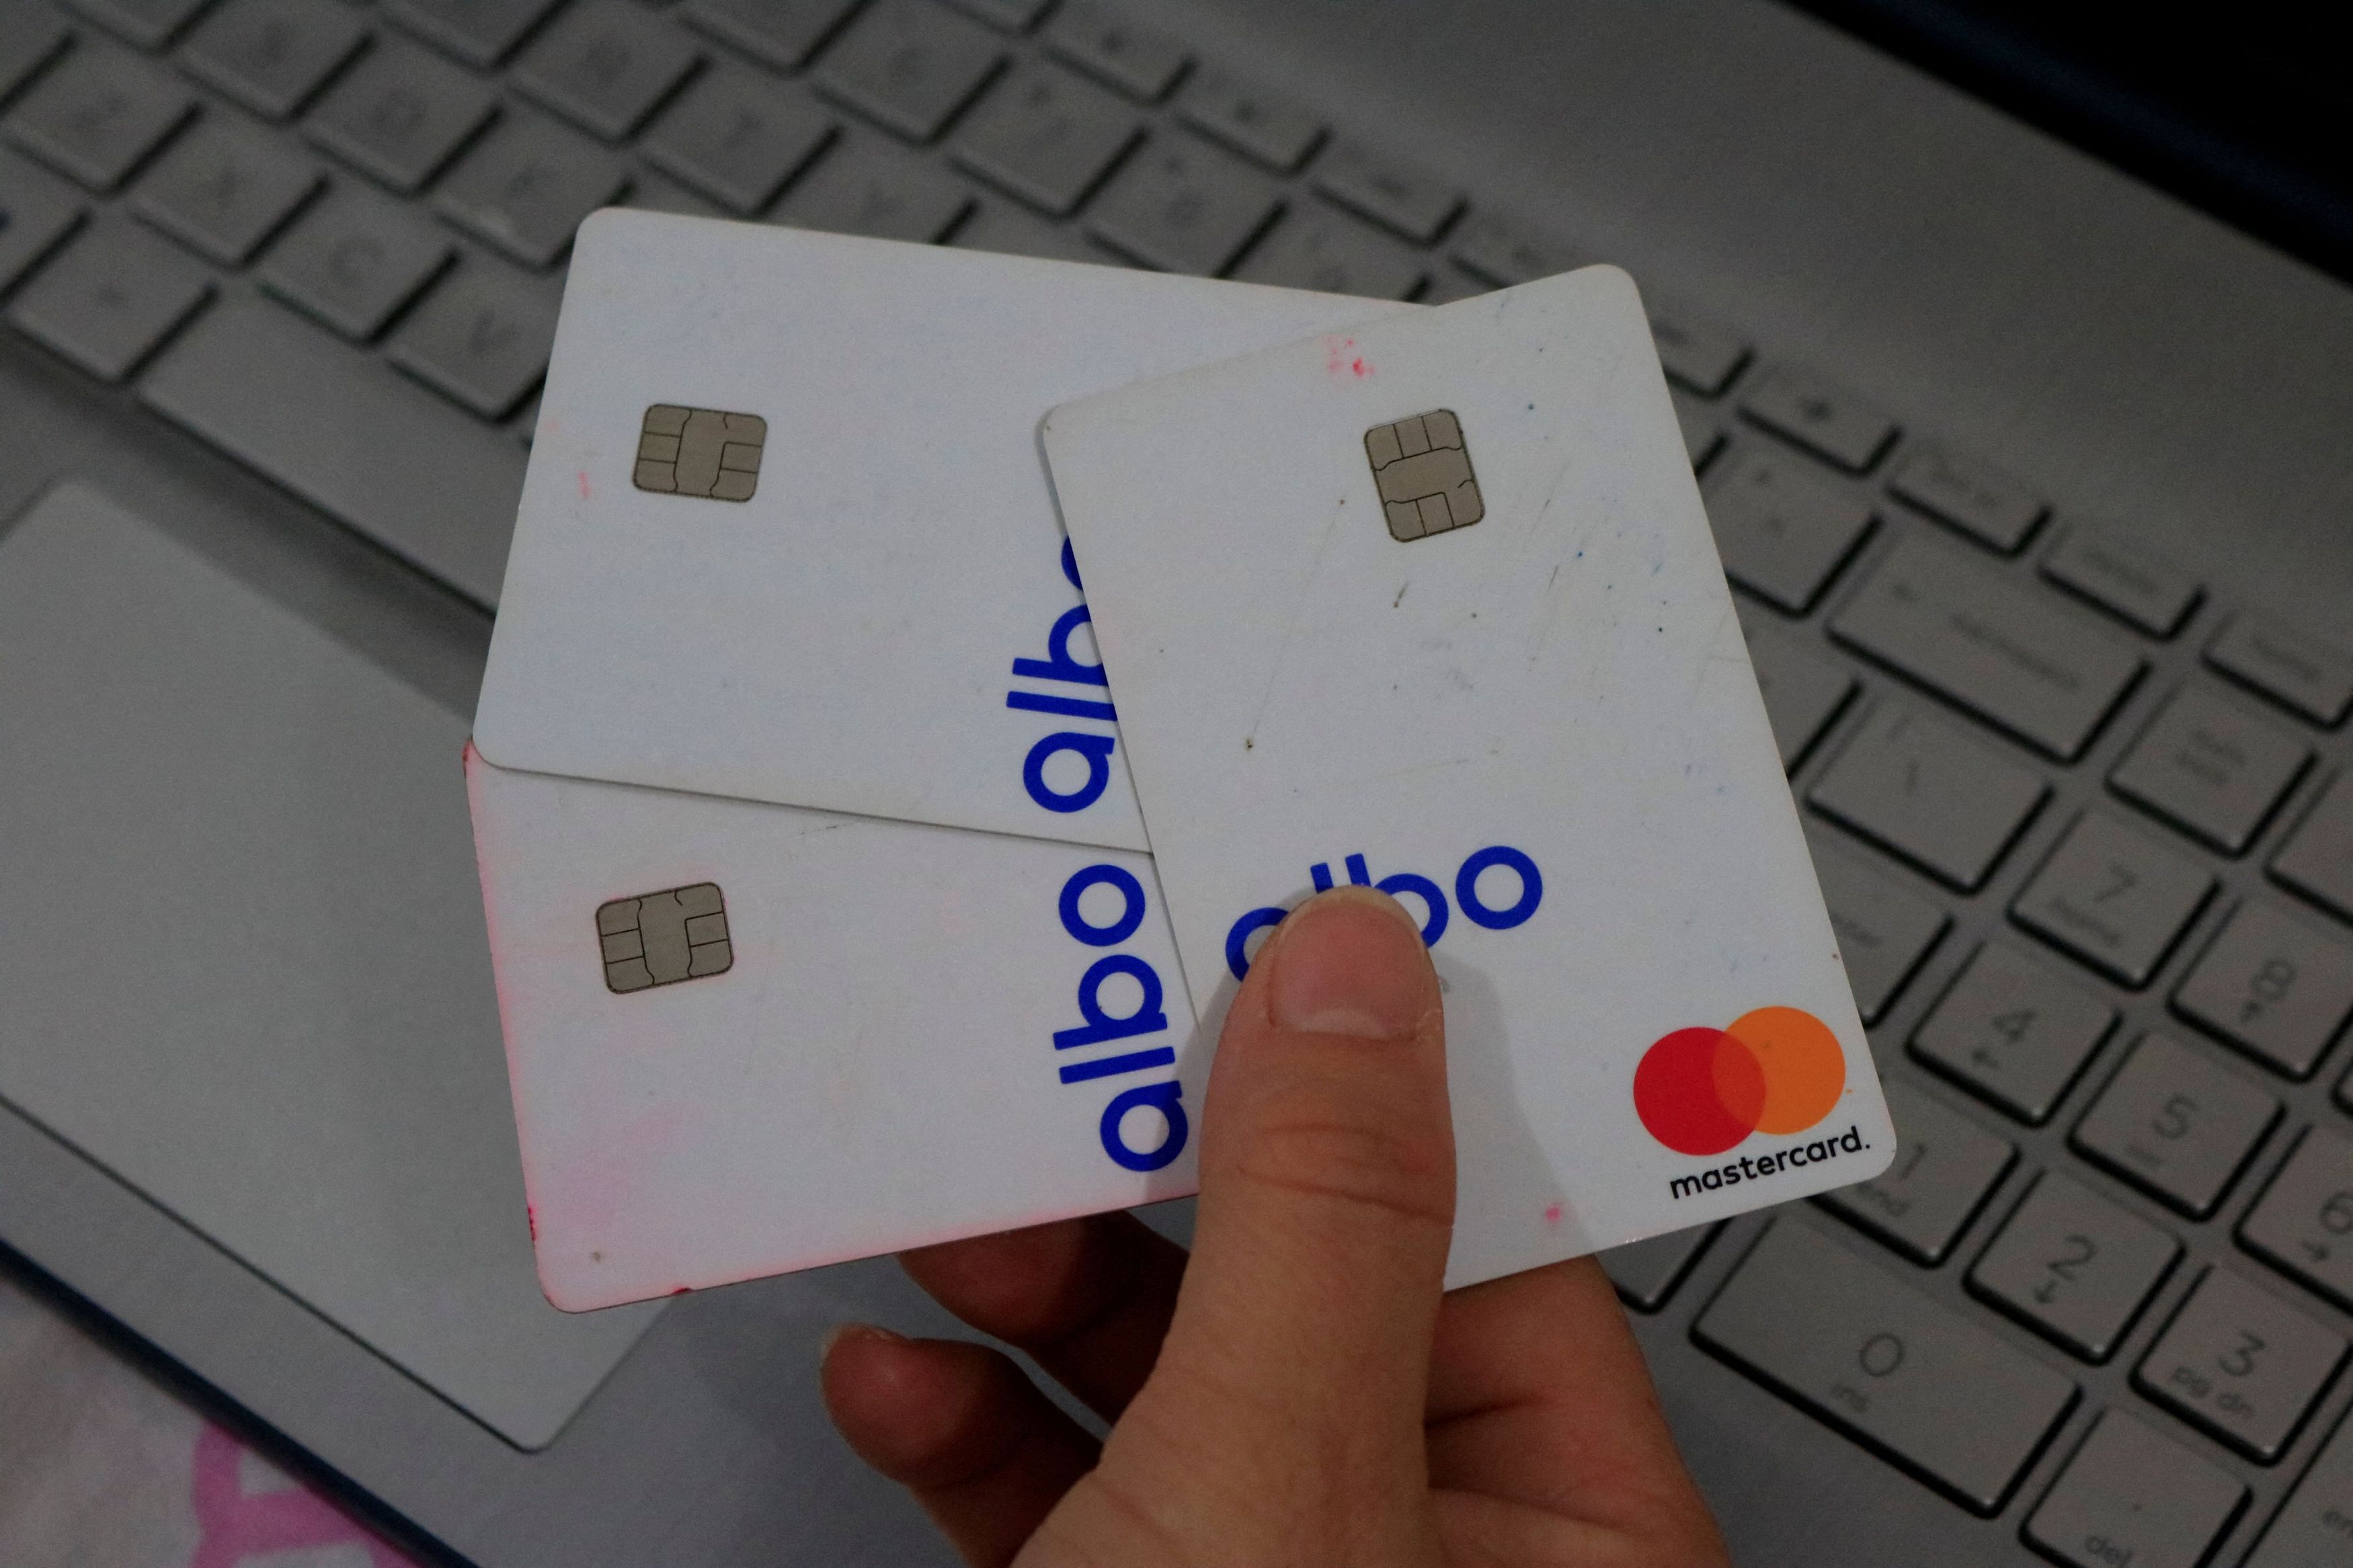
point(2243, 110)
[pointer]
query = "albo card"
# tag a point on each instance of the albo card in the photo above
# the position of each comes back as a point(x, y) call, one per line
point(1431, 604)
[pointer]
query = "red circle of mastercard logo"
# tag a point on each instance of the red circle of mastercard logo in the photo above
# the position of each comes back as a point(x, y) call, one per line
point(1776, 1070)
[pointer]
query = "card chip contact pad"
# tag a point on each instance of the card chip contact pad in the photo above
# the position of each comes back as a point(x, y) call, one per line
point(660, 938)
point(1423, 472)
point(700, 452)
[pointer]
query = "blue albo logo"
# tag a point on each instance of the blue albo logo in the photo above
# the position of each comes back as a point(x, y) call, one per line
point(1502, 867)
point(1091, 747)
point(1100, 1025)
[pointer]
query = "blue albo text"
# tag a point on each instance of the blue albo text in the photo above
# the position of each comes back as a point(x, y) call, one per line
point(1091, 747)
point(1435, 913)
point(1099, 1025)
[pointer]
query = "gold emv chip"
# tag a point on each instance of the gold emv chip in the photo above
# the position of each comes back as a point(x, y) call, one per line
point(660, 938)
point(1423, 472)
point(700, 452)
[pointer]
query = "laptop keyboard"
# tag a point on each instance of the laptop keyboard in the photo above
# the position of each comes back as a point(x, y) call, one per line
point(2083, 831)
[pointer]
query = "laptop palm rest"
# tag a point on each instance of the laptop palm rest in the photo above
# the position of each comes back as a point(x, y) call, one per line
point(245, 966)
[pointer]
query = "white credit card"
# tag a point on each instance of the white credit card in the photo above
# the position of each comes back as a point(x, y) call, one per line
point(747, 1039)
point(1431, 602)
point(787, 533)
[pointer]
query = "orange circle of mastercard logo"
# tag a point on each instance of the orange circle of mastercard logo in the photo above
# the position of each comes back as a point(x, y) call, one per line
point(1776, 1070)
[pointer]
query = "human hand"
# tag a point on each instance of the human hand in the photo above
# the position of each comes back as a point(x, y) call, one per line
point(1300, 1393)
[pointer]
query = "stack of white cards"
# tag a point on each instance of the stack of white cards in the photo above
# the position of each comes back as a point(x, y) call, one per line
point(854, 883)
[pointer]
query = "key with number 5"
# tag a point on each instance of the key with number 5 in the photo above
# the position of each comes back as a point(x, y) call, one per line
point(2177, 1124)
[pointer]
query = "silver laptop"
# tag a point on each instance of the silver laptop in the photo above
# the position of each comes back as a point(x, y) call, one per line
point(2032, 483)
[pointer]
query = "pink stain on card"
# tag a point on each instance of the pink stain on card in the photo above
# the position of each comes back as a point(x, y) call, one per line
point(1553, 1212)
point(1341, 358)
point(240, 1526)
point(584, 484)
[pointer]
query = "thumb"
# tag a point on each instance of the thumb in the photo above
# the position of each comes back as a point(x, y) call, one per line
point(1327, 1199)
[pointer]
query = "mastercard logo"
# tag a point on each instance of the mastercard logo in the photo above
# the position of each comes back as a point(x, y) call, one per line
point(1776, 1070)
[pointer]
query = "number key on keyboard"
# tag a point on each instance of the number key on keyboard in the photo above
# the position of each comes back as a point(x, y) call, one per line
point(115, 294)
point(482, 338)
point(2074, 1266)
point(911, 66)
point(1647, 1272)
point(2314, 1529)
point(1252, 121)
point(1047, 136)
point(527, 186)
point(734, 135)
point(1416, 202)
point(399, 114)
point(2317, 861)
point(2241, 1363)
point(1182, 205)
point(1782, 530)
point(2114, 897)
point(98, 115)
point(1311, 247)
point(479, 32)
point(1944, 1166)
point(1982, 642)
point(2275, 986)
point(604, 65)
point(1141, 61)
point(2139, 588)
point(2211, 768)
point(2130, 1496)
point(223, 190)
point(2176, 1124)
point(867, 184)
point(1908, 1375)
point(1833, 423)
point(1975, 496)
point(355, 259)
point(1885, 931)
point(2303, 1225)
point(271, 55)
point(1948, 802)
point(1803, 690)
point(2306, 674)
point(780, 33)
point(2013, 1031)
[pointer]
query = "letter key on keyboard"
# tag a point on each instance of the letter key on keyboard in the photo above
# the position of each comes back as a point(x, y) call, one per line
point(1647, 1272)
point(911, 66)
point(2131, 1497)
point(867, 185)
point(736, 138)
point(1257, 124)
point(1694, 350)
point(1945, 1166)
point(272, 54)
point(2278, 987)
point(780, 33)
point(1182, 205)
point(2311, 677)
point(482, 338)
point(1803, 690)
point(2006, 653)
point(1944, 801)
point(1830, 422)
point(2114, 897)
point(604, 65)
point(399, 113)
point(1047, 136)
point(1313, 246)
point(479, 32)
point(98, 115)
point(1141, 61)
point(1941, 1396)
point(354, 258)
point(1411, 202)
point(2074, 1266)
point(1976, 498)
point(1784, 531)
point(2211, 768)
point(2173, 1122)
point(2241, 1363)
point(2314, 1529)
point(2317, 861)
point(2139, 588)
point(2303, 1223)
point(2013, 1031)
point(1884, 930)
point(115, 294)
point(528, 185)
point(222, 190)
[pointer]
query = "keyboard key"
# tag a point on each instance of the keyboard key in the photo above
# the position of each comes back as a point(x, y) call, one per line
point(780, 33)
point(1782, 530)
point(2173, 1122)
point(115, 294)
point(1412, 201)
point(1013, 230)
point(272, 54)
point(1047, 136)
point(604, 64)
point(2114, 897)
point(1013, 16)
point(1503, 252)
point(2318, 860)
point(1885, 931)
point(2273, 986)
point(1311, 247)
point(2241, 1363)
point(911, 66)
point(482, 338)
point(1832, 423)
point(2013, 1031)
point(479, 32)
point(1252, 121)
point(1916, 1380)
point(333, 424)
point(1949, 804)
point(354, 259)
point(1982, 642)
point(1945, 1166)
point(1182, 205)
point(2130, 1496)
point(2303, 1225)
point(734, 135)
point(2313, 1527)
point(1141, 61)
point(98, 115)
point(400, 114)
point(1695, 351)
point(150, 24)
point(2211, 768)
point(871, 187)
point(37, 211)
point(223, 190)
point(2141, 589)
point(2073, 1265)
point(2311, 677)
point(528, 186)
point(29, 38)
point(1647, 1272)
point(1966, 493)
point(1803, 690)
